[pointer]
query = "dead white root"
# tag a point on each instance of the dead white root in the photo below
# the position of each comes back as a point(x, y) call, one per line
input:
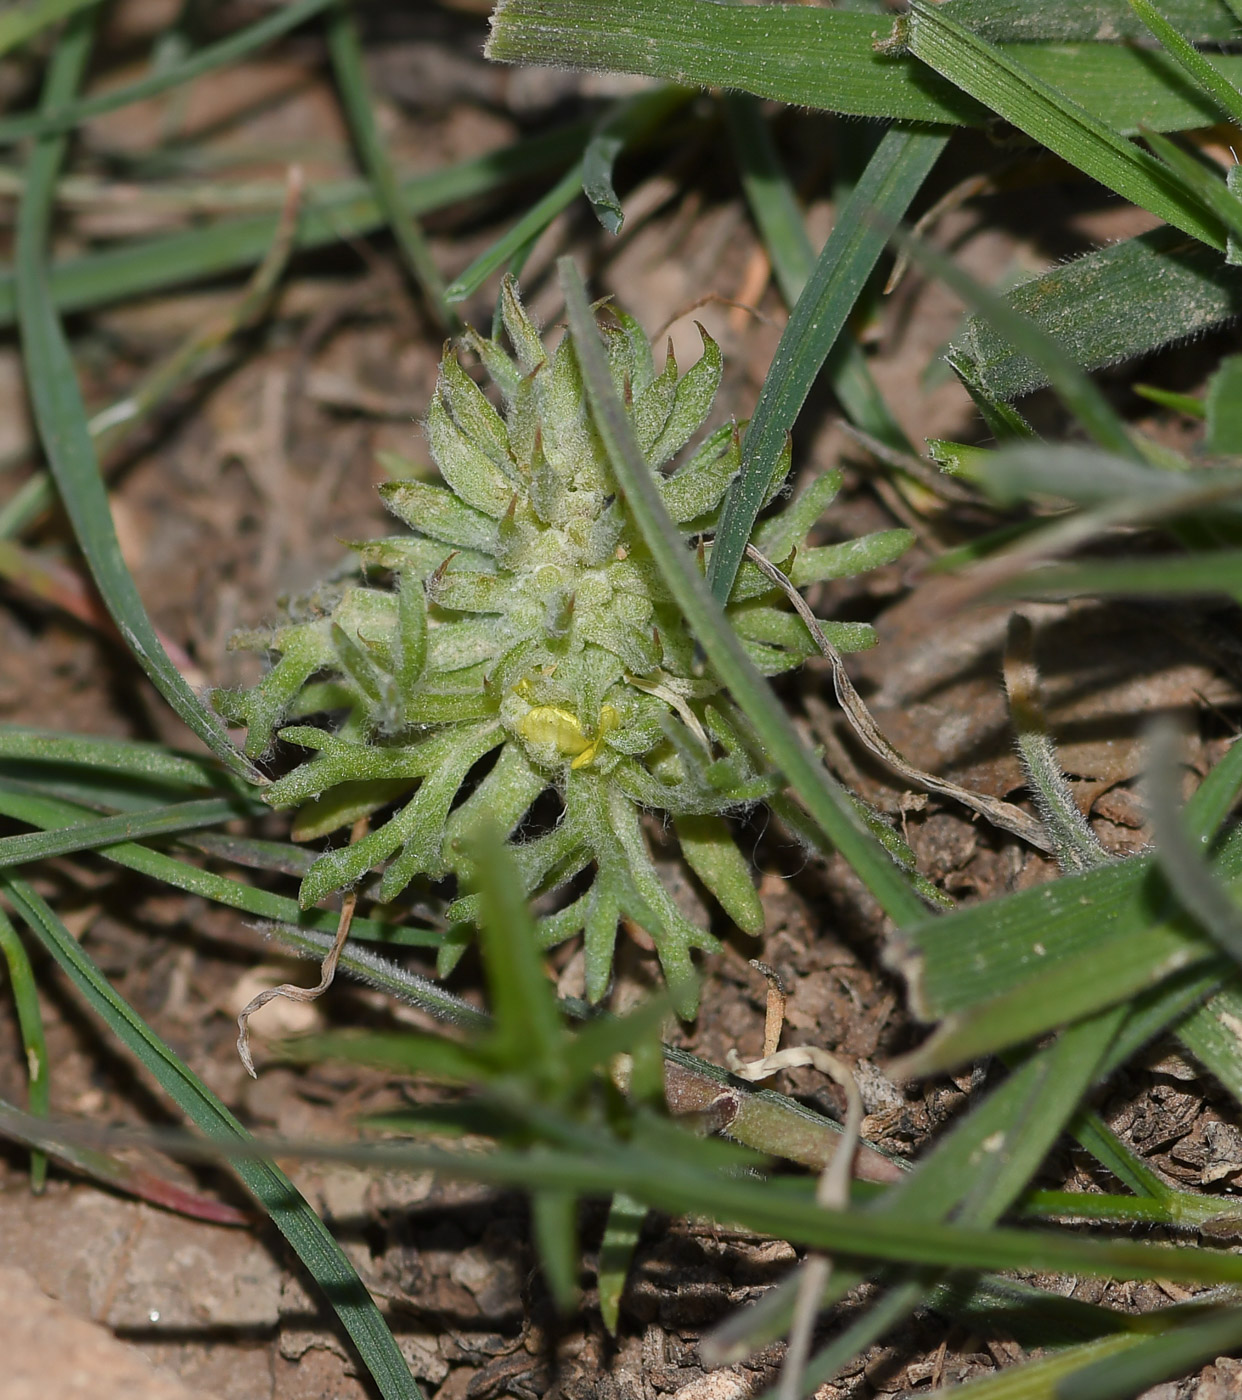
point(290, 991)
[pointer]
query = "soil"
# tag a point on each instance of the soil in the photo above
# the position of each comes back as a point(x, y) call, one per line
point(245, 488)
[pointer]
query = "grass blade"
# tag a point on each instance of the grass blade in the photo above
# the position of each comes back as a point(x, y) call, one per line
point(299, 1224)
point(53, 813)
point(893, 176)
point(1083, 399)
point(1179, 856)
point(130, 826)
point(824, 800)
point(1111, 305)
point(206, 60)
point(22, 22)
point(583, 1159)
point(631, 120)
point(1228, 98)
point(30, 1025)
point(1216, 571)
point(1003, 84)
point(1154, 1359)
point(155, 762)
point(146, 265)
point(61, 417)
point(1078, 21)
point(519, 237)
point(774, 208)
point(345, 50)
point(811, 56)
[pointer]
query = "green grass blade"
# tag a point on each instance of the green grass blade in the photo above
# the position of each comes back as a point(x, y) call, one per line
point(1111, 305)
point(629, 121)
point(520, 236)
point(1003, 84)
point(811, 56)
point(1042, 1379)
point(588, 1162)
point(1079, 395)
point(345, 51)
point(1153, 1359)
point(22, 22)
point(1213, 799)
point(893, 176)
point(774, 208)
point(824, 800)
point(1060, 1079)
point(523, 1002)
point(142, 266)
point(61, 417)
point(1209, 187)
point(34, 1043)
point(1078, 21)
point(50, 813)
point(616, 1253)
point(1179, 856)
point(821, 58)
point(291, 1214)
point(131, 826)
point(769, 196)
point(1213, 1035)
point(1216, 571)
point(1227, 97)
point(206, 60)
point(156, 762)
point(1108, 1149)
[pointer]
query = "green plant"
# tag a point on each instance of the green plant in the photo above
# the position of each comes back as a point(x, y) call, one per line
point(451, 651)
point(526, 618)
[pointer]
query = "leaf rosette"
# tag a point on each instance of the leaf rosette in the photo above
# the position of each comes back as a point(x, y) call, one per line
point(523, 624)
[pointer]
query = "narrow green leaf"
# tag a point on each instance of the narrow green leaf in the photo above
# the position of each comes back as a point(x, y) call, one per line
point(523, 1000)
point(774, 208)
point(291, 1214)
point(1083, 399)
point(554, 1217)
point(1179, 856)
point(1213, 799)
point(162, 78)
point(61, 417)
point(616, 1254)
point(345, 50)
point(1223, 408)
point(1077, 21)
point(824, 800)
point(596, 1164)
point(810, 56)
point(1186, 404)
point(1006, 86)
point(1154, 1359)
point(130, 756)
point(50, 813)
point(129, 826)
point(23, 21)
point(1202, 73)
point(1213, 1035)
point(1209, 187)
point(1111, 305)
point(893, 176)
point(815, 58)
point(520, 236)
point(144, 265)
point(1214, 571)
point(34, 1043)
